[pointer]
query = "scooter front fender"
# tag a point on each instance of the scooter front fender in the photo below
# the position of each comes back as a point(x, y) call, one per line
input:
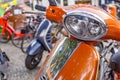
point(82, 65)
point(69, 60)
point(34, 47)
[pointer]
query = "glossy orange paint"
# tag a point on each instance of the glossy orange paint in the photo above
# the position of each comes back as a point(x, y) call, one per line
point(57, 13)
point(83, 65)
point(113, 10)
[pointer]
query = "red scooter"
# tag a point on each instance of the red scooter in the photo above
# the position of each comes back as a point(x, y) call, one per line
point(9, 33)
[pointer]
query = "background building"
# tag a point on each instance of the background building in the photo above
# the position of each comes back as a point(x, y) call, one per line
point(71, 2)
point(61, 2)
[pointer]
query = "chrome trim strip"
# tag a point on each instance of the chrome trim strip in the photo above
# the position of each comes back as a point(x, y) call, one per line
point(67, 59)
point(93, 16)
point(82, 11)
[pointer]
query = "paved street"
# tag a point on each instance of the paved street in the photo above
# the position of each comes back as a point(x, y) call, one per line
point(17, 69)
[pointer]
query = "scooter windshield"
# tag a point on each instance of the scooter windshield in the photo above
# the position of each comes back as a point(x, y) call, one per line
point(60, 56)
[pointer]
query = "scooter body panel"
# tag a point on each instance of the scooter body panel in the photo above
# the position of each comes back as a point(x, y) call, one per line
point(41, 41)
point(111, 22)
point(69, 61)
point(83, 65)
point(34, 47)
point(44, 34)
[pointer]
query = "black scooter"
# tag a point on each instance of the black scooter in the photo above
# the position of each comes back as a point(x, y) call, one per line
point(43, 41)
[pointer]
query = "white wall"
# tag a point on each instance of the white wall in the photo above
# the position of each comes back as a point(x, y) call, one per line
point(45, 2)
point(96, 2)
point(70, 2)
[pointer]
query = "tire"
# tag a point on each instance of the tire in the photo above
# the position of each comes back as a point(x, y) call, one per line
point(4, 38)
point(32, 61)
point(25, 42)
point(16, 41)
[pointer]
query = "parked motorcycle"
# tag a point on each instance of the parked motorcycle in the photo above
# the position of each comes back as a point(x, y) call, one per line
point(9, 32)
point(38, 45)
point(43, 42)
point(85, 54)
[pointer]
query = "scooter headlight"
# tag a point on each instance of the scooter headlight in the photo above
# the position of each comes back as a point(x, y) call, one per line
point(84, 25)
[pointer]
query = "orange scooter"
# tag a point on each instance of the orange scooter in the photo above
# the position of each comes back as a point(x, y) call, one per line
point(90, 52)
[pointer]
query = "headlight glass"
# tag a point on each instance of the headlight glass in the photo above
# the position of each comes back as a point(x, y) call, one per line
point(84, 25)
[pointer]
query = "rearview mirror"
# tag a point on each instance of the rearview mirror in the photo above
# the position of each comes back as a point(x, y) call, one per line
point(17, 11)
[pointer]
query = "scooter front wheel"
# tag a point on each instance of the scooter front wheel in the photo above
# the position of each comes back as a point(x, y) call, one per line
point(32, 61)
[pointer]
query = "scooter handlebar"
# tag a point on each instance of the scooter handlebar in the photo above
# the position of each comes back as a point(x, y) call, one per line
point(39, 7)
point(52, 2)
point(34, 12)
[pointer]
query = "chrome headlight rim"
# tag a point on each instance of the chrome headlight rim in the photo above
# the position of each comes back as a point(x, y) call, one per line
point(102, 24)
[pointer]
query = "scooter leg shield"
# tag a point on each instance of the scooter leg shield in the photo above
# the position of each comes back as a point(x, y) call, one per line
point(83, 63)
point(70, 60)
point(34, 47)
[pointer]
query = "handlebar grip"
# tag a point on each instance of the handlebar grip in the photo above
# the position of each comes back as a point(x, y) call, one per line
point(52, 2)
point(39, 7)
